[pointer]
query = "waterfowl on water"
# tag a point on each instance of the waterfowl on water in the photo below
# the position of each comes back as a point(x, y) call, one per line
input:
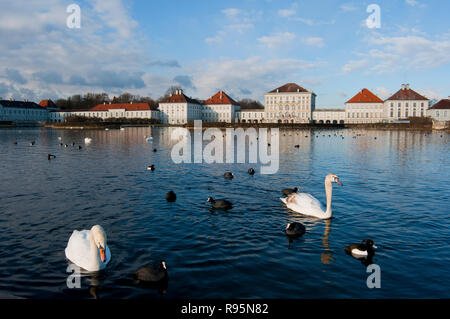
point(171, 196)
point(32, 143)
point(289, 191)
point(151, 167)
point(220, 203)
point(228, 175)
point(87, 140)
point(154, 150)
point(79, 147)
point(50, 156)
point(15, 143)
point(88, 249)
point(307, 204)
point(251, 171)
point(295, 229)
point(152, 272)
point(364, 249)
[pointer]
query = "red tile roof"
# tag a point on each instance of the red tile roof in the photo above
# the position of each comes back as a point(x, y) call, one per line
point(221, 98)
point(365, 96)
point(289, 87)
point(47, 103)
point(407, 94)
point(126, 106)
point(443, 104)
point(180, 98)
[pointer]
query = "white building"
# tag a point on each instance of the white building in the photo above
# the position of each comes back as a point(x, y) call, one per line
point(22, 111)
point(405, 103)
point(289, 103)
point(440, 114)
point(328, 116)
point(107, 111)
point(180, 109)
point(251, 116)
point(220, 108)
point(364, 107)
point(440, 111)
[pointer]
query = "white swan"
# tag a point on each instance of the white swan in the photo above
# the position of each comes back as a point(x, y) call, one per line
point(87, 140)
point(88, 249)
point(307, 204)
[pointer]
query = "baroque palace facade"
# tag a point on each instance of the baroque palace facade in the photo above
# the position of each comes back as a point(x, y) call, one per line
point(289, 103)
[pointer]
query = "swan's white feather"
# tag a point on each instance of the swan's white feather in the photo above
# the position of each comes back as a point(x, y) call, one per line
point(78, 251)
point(305, 204)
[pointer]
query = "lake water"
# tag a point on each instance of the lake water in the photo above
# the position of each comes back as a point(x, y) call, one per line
point(395, 192)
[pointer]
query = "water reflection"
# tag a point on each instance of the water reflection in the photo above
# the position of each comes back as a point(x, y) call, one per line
point(215, 254)
point(326, 256)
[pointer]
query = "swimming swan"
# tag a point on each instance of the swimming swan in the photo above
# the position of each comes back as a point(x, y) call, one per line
point(307, 204)
point(88, 249)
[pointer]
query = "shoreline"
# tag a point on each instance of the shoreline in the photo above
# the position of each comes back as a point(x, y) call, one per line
point(368, 126)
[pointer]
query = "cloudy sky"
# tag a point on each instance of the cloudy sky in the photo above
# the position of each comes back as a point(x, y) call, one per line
point(244, 47)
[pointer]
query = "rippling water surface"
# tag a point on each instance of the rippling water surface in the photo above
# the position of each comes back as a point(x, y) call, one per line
point(395, 192)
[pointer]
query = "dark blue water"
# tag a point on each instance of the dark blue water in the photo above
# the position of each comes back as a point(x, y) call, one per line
point(395, 192)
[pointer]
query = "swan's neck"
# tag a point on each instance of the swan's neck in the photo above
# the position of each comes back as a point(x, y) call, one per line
point(95, 258)
point(329, 193)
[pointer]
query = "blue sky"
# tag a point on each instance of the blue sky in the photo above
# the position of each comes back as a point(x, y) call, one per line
point(244, 47)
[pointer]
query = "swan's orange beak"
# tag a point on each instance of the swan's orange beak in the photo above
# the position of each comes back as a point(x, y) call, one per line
point(102, 254)
point(339, 183)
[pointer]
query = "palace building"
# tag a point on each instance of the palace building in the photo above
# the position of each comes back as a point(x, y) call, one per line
point(220, 108)
point(289, 103)
point(405, 103)
point(364, 107)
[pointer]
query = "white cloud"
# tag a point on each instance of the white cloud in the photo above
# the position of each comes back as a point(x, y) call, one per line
point(114, 14)
point(383, 93)
point(286, 12)
point(276, 40)
point(409, 52)
point(212, 40)
point(240, 27)
point(55, 61)
point(346, 7)
point(314, 41)
point(342, 94)
point(231, 12)
point(234, 75)
point(354, 65)
point(312, 22)
point(412, 3)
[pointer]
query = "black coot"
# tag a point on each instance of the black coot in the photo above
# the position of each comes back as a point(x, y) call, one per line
point(220, 203)
point(295, 229)
point(171, 196)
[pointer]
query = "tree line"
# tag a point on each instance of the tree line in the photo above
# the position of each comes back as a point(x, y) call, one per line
point(88, 100)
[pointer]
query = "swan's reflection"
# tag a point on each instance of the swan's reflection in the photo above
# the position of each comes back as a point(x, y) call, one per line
point(326, 257)
point(310, 222)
